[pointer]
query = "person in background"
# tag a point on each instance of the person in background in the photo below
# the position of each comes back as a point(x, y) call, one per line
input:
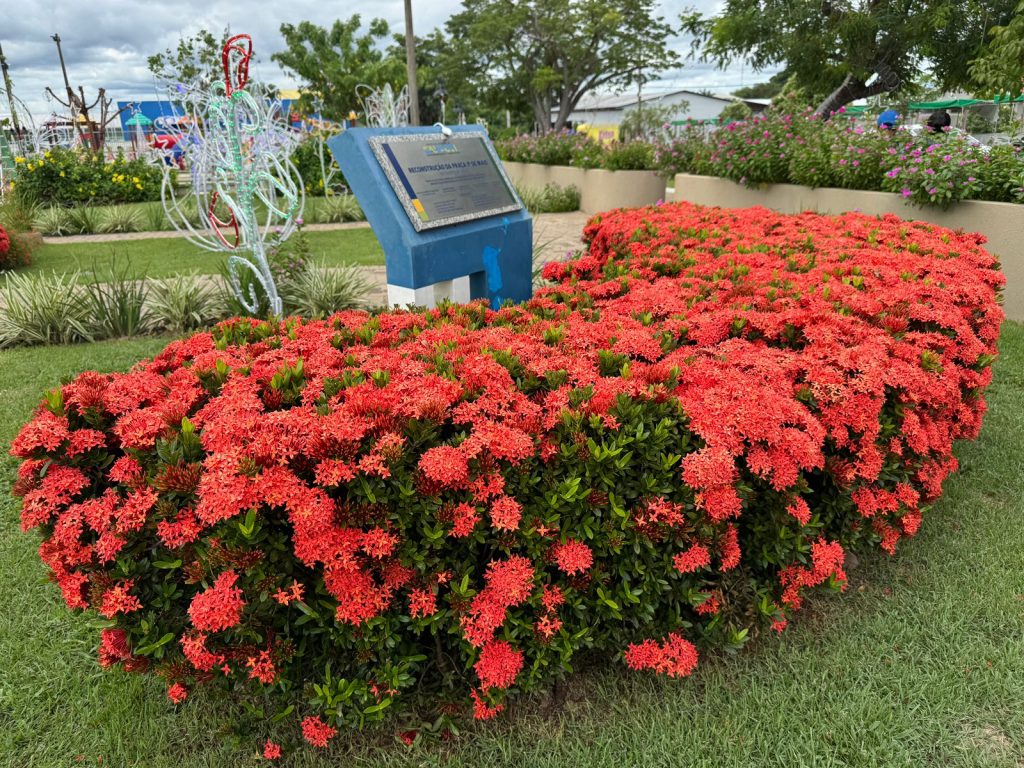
point(938, 121)
point(888, 119)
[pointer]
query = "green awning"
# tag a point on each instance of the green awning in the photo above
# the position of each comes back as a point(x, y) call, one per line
point(694, 121)
point(138, 119)
point(948, 104)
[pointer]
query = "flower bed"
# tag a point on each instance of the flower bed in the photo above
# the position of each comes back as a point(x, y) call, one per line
point(600, 190)
point(75, 176)
point(659, 454)
point(929, 170)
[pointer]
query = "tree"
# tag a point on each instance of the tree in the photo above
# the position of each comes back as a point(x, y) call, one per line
point(556, 51)
point(842, 50)
point(768, 90)
point(195, 58)
point(440, 63)
point(1000, 67)
point(737, 111)
point(650, 120)
point(331, 63)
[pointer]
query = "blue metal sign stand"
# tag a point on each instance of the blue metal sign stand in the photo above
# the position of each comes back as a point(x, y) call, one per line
point(489, 257)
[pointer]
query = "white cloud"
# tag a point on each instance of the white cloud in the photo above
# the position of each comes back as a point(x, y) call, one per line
point(106, 42)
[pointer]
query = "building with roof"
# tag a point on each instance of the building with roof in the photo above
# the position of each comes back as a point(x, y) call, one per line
point(601, 114)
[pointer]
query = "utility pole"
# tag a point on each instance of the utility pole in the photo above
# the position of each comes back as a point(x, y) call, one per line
point(10, 95)
point(410, 66)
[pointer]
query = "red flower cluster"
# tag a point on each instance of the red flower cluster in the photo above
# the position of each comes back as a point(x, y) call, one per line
point(220, 606)
point(675, 656)
point(361, 507)
point(317, 732)
point(573, 556)
point(498, 665)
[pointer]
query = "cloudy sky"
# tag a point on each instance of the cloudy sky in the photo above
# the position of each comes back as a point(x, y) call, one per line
point(106, 42)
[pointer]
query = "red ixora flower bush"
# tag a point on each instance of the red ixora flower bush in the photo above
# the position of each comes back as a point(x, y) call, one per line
point(662, 451)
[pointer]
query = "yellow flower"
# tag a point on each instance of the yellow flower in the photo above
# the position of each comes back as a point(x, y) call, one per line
point(41, 161)
point(135, 179)
point(19, 159)
point(62, 174)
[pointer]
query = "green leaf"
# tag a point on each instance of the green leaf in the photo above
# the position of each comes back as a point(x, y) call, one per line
point(148, 649)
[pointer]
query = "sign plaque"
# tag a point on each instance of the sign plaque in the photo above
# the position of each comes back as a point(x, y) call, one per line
point(444, 180)
point(447, 217)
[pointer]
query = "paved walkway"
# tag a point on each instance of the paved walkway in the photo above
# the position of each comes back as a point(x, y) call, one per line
point(552, 232)
point(123, 236)
point(555, 237)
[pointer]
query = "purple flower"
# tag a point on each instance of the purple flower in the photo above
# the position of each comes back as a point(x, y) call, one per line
point(906, 192)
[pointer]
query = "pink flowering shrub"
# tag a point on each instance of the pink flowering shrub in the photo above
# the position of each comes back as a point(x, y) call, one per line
point(423, 514)
point(927, 169)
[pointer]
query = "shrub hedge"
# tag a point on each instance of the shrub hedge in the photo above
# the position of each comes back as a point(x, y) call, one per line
point(67, 177)
point(777, 148)
point(432, 511)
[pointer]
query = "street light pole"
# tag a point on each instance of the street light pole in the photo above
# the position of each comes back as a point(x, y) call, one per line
point(410, 66)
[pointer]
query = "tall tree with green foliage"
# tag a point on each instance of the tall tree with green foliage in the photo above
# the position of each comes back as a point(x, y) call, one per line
point(330, 63)
point(842, 50)
point(557, 51)
point(1000, 67)
point(196, 58)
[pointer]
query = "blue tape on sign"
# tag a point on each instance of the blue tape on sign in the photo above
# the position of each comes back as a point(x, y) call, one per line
point(492, 264)
point(496, 252)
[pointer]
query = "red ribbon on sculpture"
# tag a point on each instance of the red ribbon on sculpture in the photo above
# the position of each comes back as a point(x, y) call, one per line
point(216, 223)
point(236, 56)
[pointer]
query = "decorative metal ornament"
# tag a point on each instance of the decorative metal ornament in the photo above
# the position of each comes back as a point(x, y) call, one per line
point(236, 149)
point(383, 107)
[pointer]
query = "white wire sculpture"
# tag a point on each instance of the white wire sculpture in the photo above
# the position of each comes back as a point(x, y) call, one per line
point(383, 107)
point(29, 142)
point(236, 149)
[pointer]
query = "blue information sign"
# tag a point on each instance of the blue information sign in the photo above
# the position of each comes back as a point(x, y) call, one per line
point(472, 239)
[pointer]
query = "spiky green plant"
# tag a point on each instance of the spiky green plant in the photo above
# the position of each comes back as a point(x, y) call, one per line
point(317, 291)
point(43, 309)
point(121, 218)
point(184, 302)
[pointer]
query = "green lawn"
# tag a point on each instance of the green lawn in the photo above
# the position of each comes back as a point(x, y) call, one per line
point(160, 257)
point(919, 663)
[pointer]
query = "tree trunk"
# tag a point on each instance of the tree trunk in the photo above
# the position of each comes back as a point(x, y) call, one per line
point(542, 113)
point(565, 108)
point(853, 88)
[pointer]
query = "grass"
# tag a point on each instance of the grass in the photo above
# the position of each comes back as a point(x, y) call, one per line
point(150, 216)
point(919, 664)
point(164, 257)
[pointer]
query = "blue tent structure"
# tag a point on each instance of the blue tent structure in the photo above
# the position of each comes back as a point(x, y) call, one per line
point(155, 111)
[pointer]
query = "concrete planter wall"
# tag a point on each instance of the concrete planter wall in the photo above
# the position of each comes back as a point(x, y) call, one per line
point(1001, 223)
point(600, 190)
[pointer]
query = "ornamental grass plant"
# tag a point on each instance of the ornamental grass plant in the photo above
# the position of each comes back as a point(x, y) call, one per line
point(184, 302)
point(416, 516)
point(43, 309)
